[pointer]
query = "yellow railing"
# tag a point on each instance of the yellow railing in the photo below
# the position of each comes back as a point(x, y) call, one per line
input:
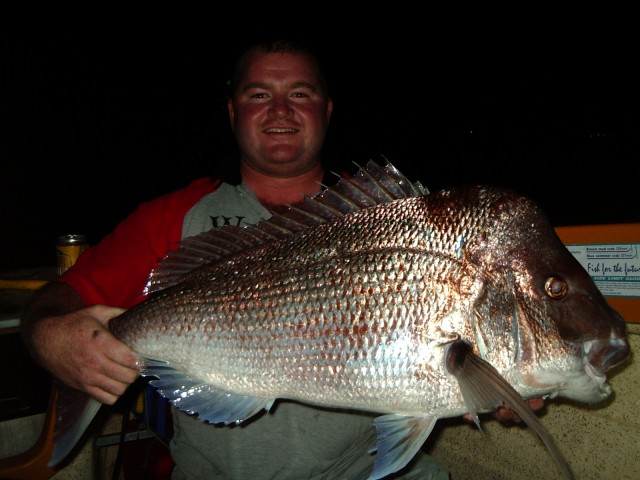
point(21, 284)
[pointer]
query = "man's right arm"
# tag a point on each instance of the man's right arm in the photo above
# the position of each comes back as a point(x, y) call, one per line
point(74, 343)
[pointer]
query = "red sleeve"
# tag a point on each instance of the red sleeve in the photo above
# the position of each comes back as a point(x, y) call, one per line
point(115, 271)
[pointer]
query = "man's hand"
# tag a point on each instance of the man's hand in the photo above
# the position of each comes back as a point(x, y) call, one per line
point(505, 414)
point(78, 348)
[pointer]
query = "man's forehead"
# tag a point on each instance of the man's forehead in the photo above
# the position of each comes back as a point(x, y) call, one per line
point(280, 66)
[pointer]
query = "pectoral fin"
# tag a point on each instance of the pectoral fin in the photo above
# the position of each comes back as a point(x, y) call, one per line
point(399, 439)
point(484, 389)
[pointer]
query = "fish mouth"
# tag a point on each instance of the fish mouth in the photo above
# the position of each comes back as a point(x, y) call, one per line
point(593, 359)
point(598, 357)
point(602, 355)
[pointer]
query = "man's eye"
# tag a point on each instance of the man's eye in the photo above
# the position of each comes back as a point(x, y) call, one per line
point(259, 95)
point(301, 95)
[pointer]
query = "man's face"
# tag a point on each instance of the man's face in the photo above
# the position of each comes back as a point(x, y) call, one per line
point(280, 113)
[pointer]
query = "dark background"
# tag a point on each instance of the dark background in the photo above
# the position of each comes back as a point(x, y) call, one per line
point(99, 119)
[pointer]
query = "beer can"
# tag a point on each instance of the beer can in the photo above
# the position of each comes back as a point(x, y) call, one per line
point(68, 249)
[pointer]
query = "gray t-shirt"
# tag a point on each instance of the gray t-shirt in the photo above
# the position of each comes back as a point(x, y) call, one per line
point(228, 204)
point(292, 441)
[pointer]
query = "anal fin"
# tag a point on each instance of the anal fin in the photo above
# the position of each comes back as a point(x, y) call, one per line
point(399, 439)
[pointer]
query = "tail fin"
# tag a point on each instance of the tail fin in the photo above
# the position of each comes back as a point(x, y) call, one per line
point(74, 410)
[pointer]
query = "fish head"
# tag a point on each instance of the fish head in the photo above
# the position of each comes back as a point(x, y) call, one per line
point(566, 336)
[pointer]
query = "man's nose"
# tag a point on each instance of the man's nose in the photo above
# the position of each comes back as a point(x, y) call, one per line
point(280, 107)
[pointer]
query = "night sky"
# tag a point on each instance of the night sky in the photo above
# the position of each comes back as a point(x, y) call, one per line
point(98, 121)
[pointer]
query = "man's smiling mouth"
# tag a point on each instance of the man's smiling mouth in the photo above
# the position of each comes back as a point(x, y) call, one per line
point(280, 130)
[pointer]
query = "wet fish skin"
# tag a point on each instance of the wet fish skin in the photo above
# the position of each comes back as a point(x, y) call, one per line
point(359, 292)
point(358, 309)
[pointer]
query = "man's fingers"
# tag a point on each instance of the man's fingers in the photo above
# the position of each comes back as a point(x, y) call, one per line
point(536, 403)
point(107, 387)
point(504, 414)
point(125, 361)
point(126, 372)
point(114, 349)
point(103, 313)
point(103, 396)
point(107, 366)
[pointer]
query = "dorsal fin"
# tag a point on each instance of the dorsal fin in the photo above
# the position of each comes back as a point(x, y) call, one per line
point(371, 185)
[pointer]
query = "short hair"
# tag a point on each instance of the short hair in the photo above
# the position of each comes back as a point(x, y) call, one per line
point(275, 45)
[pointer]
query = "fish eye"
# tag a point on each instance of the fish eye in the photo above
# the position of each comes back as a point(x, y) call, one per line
point(556, 288)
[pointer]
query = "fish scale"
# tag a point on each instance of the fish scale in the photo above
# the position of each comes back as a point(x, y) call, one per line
point(276, 320)
point(275, 335)
point(378, 296)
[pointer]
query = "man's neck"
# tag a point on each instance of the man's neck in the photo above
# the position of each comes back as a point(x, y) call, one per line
point(278, 191)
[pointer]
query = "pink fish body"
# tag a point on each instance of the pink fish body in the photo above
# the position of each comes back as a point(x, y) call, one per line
point(375, 295)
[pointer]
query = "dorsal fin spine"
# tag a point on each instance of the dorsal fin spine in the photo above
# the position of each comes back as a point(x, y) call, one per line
point(371, 185)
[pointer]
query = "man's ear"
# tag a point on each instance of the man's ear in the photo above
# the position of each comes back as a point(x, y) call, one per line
point(329, 109)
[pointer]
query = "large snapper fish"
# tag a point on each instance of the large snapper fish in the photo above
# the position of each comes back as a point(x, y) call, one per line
point(376, 295)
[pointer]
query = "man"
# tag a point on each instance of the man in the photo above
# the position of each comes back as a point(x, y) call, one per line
point(279, 110)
